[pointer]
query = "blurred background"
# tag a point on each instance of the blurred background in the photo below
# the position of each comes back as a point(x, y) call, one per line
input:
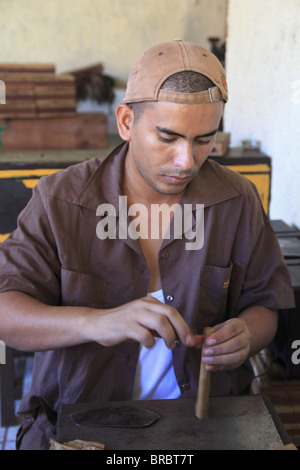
point(262, 60)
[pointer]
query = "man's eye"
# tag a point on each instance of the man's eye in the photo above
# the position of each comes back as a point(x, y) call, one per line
point(165, 139)
point(203, 142)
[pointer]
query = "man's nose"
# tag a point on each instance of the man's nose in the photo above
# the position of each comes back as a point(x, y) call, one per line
point(184, 157)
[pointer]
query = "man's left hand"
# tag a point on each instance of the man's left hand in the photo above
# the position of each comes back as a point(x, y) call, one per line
point(227, 347)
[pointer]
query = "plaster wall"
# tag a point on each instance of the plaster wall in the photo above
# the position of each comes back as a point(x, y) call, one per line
point(74, 33)
point(263, 70)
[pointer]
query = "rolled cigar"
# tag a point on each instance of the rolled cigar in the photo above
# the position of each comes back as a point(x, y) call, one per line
point(202, 402)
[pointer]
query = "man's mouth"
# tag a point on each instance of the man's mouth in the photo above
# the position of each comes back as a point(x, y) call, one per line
point(175, 179)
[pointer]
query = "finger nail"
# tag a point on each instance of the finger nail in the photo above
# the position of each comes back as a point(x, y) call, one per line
point(211, 342)
point(208, 352)
point(188, 340)
point(207, 359)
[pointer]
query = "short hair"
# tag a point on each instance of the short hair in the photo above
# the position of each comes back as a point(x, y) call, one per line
point(181, 82)
point(187, 82)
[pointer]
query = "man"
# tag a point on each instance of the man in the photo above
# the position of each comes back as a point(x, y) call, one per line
point(114, 313)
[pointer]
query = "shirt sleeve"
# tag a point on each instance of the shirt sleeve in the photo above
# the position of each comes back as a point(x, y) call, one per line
point(264, 280)
point(28, 257)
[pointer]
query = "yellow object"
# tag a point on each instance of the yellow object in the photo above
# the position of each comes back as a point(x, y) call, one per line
point(3, 236)
point(27, 173)
point(260, 175)
point(30, 183)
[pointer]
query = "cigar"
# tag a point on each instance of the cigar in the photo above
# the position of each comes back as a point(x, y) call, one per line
point(202, 402)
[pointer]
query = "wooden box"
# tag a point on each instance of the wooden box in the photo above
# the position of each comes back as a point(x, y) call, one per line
point(77, 131)
point(221, 144)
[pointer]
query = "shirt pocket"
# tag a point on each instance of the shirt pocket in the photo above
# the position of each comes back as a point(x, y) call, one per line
point(214, 287)
point(81, 289)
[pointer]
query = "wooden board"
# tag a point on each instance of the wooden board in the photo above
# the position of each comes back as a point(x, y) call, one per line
point(19, 104)
point(19, 100)
point(26, 72)
point(55, 97)
point(12, 113)
point(34, 91)
point(80, 131)
point(95, 68)
point(19, 90)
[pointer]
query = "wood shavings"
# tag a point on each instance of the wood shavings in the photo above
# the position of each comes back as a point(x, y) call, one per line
point(77, 444)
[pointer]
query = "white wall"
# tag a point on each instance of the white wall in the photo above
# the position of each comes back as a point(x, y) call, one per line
point(263, 69)
point(76, 33)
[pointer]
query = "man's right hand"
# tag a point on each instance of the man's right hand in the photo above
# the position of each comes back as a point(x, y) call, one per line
point(30, 325)
point(139, 320)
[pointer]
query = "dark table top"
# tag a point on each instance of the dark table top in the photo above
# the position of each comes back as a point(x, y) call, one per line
point(244, 422)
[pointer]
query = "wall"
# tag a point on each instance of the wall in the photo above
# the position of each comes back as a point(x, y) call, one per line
point(263, 69)
point(75, 33)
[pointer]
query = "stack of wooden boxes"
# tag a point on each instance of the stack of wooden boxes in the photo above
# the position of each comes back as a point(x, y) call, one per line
point(40, 111)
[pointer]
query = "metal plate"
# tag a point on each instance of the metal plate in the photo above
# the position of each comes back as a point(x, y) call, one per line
point(124, 416)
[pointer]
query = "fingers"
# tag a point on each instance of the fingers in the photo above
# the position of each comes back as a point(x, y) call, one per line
point(164, 321)
point(228, 346)
point(141, 320)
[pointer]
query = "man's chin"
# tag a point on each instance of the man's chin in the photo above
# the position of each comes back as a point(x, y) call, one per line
point(169, 191)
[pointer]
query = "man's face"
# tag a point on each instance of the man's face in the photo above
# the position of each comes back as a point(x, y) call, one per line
point(170, 142)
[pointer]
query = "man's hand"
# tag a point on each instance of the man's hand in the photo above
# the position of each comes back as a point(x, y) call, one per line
point(227, 347)
point(30, 325)
point(140, 320)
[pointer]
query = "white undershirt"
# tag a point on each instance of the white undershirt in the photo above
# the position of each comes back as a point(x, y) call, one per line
point(155, 378)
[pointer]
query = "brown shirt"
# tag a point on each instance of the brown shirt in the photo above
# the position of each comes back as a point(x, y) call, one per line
point(56, 256)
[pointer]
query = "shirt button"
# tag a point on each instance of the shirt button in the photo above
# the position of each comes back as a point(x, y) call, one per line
point(170, 298)
point(164, 255)
point(185, 387)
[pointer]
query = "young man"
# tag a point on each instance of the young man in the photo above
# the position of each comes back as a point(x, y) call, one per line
point(108, 277)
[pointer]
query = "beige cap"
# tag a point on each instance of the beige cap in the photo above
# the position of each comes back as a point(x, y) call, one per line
point(165, 59)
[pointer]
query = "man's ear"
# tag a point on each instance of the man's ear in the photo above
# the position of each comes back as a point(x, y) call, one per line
point(125, 119)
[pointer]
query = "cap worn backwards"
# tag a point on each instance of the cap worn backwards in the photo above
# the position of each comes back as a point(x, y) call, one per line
point(165, 59)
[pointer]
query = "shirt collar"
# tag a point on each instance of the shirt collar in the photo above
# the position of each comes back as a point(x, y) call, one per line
point(106, 182)
point(209, 187)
